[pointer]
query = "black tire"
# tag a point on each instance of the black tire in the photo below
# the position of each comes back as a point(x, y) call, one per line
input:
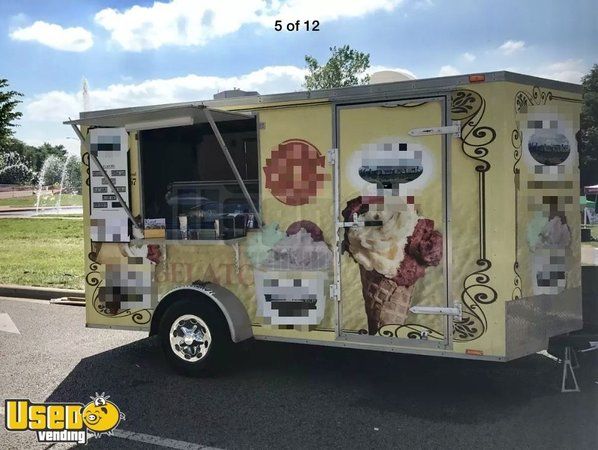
point(219, 346)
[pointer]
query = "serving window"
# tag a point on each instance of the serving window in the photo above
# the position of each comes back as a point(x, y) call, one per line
point(189, 189)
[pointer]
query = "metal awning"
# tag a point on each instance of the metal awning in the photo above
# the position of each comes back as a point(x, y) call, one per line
point(161, 117)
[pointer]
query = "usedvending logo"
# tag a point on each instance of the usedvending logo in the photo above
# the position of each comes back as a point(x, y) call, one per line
point(64, 422)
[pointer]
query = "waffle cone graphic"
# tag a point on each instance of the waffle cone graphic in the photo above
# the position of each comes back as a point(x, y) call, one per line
point(385, 301)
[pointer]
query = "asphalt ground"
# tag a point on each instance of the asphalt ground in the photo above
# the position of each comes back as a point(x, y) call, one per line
point(291, 396)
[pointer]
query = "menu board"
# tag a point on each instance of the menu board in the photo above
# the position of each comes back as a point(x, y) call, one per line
point(109, 221)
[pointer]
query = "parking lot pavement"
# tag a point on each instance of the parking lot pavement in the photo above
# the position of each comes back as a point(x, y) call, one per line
point(292, 396)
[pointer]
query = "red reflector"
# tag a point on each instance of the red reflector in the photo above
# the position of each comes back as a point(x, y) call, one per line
point(477, 78)
point(471, 351)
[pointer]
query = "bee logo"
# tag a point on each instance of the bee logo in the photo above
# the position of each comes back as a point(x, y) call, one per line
point(101, 416)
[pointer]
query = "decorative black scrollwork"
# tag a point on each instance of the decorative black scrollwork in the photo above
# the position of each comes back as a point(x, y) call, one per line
point(516, 294)
point(464, 104)
point(469, 107)
point(516, 140)
point(85, 161)
point(475, 139)
point(476, 292)
point(411, 331)
point(536, 97)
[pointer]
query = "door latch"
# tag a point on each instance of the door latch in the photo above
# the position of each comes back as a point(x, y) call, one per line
point(455, 129)
point(456, 312)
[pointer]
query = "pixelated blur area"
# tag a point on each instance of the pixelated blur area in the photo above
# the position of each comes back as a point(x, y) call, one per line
point(550, 197)
point(550, 265)
point(115, 230)
point(109, 221)
point(127, 285)
point(290, 298)
point(401, 165)
point(295, 172)
point(104, 143)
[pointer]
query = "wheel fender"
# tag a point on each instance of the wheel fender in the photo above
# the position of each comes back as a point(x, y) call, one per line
point(233, 310)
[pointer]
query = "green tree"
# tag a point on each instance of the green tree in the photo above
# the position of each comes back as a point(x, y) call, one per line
point(344, 68)
point(588, 135)
point(8, 115)
point(73, 175)
point(35, 155)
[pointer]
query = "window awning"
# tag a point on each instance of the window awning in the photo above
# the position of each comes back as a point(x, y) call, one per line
point(160, 117)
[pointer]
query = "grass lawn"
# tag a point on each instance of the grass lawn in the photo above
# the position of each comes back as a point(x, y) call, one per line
point(42, 252)
point(49, 200)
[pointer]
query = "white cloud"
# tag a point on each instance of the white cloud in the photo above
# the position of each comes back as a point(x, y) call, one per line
point(43, 115)
point(58, 105)
point(446, 71)
point(324, 10)
point(195, 22)
point(510, 47)
point(53, 105)
point(571, 70)
point(75, 39)
point(469, 57)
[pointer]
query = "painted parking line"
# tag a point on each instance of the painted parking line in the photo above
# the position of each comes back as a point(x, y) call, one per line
point(157, 440)
point(7, 325)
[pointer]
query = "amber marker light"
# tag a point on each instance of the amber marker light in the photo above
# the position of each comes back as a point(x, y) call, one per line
point(477, 78)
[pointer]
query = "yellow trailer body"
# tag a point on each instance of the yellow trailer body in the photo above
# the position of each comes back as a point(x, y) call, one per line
point(432, 217)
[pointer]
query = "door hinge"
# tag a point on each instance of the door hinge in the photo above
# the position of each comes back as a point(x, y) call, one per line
point(332, 155)
point(456, 312)
point(455, 129)
point(335, 291)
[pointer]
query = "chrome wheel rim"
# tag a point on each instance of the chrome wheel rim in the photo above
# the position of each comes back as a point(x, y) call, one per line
point(190, 338)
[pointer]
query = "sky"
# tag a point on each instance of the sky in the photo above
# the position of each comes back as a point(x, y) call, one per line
point(144, 52)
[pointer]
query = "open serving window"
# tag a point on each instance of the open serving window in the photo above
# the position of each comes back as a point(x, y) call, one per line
point(194, 187)
point(198, 171)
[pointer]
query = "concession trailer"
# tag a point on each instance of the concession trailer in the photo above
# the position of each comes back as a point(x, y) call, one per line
point(436, 217)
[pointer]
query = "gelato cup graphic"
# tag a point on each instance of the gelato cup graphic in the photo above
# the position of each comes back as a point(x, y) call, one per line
point(391, 258)
point(290, 273)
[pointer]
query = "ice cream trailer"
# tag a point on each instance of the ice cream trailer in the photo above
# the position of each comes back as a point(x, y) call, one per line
point(435, 217)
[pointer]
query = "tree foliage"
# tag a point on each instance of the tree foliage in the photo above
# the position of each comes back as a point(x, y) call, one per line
point(8, 102)
point(344, 68)
point(588, 136)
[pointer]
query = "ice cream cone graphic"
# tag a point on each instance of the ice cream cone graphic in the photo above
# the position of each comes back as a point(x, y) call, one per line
point(391, 258)
point(386, 302)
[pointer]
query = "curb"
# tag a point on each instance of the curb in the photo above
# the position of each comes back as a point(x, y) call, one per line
point(40, 293)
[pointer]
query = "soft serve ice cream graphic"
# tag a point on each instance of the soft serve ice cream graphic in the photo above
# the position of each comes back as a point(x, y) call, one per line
point(391, 258)
point(291, 271)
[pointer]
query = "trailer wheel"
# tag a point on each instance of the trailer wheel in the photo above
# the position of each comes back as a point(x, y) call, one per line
point(194, 337)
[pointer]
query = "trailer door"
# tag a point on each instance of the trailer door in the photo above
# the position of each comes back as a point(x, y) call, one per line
point(391, 190)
